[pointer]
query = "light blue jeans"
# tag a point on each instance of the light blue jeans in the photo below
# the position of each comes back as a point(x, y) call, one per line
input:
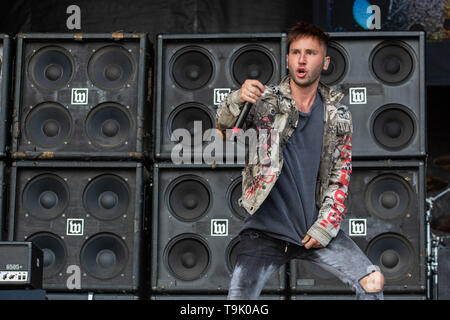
point(260, 256)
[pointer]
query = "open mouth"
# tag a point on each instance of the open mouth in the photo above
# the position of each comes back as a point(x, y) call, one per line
point(301, 72)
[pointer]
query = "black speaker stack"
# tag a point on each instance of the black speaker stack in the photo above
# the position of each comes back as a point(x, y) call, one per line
point(382, 76)
point(196, 217)
point(90, 175)
point(80, 136)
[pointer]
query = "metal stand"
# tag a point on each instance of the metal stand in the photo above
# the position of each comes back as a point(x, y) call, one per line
point(433, 243)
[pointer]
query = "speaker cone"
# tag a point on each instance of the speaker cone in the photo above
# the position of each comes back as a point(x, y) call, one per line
point(184, 116)
point(192, 68)
point(337, 66)
point(188, 198)
point(392, 63)
point(393, 127)
point(187, 257)
point(45, 197)
point(107, 197)
point(48, 125)
point(104, 256)
point(54, 251)
point(233, 195)
point(252, 62)
point(110, 68)
point(393, 254)
point(51, 68)
point(108, 125)
point(388, 196)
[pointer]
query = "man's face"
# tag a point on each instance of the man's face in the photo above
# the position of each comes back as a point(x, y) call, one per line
point(306, 60)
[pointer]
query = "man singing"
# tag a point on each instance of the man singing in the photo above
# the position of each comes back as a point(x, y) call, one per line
point(295, 195)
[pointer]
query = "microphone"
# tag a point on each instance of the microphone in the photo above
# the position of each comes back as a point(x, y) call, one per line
point(240, 121)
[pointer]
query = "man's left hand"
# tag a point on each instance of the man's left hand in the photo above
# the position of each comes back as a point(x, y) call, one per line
point(311, 242)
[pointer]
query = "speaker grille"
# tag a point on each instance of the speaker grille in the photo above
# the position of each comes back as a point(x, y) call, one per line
point(109, 125)
point(189, 197)
point(51, 67)
point(111, 68)
point(48, 125)
point(192, 68)
point(393, 254)
point(54, 250)
point(389, 197)
point(46, 197)
point(392, 62)
point(104, 256)
point(393, 127)
point(107, 197)
point(187, 257)
point(252, 62)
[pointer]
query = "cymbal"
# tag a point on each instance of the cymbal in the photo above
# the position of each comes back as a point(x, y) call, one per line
point(435, 184)
point(443, 162)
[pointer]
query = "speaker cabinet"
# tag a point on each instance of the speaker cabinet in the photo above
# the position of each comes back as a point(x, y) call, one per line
point(383, 77)
point(196, 72)
point(196, 221)
point(81, 96)
point(385, 218)
point(87, 218)
point(5, 93)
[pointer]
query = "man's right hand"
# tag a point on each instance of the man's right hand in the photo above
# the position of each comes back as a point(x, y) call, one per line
point(251, 90)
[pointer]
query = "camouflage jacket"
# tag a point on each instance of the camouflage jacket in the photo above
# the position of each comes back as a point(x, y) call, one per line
point(276, 112)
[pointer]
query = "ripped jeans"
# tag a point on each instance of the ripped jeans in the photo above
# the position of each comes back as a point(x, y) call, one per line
point(260, 256)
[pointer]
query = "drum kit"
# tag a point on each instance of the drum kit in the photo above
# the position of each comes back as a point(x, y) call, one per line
point(438, 231)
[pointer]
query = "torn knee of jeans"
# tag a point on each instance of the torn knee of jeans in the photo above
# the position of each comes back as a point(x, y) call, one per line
point(373, 282)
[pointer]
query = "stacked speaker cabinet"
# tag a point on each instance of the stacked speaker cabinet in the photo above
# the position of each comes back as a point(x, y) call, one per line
point(87, 218)
point(382, 76)
point(5, 111)
point(386, 220)
point(81, 96)
point(196, 221)
point(82, 114)
point(196, 218)
point(196, 72)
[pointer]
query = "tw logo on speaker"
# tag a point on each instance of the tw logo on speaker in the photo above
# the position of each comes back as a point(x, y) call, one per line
point(357, 227)
point(220, 94)
point(357, 95)
point(219, 227)
point(79, 96)
point(75, 227)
